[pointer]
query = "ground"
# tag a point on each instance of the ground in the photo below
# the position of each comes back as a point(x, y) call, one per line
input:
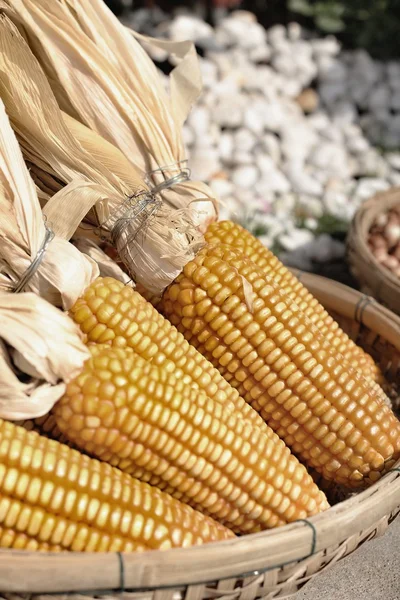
point(371, 573)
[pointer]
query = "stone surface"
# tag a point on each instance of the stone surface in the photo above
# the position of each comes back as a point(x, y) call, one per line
point(296, 238)
point(308, 100)
point(222, 187)
point(245, 176)
point(188, 27)
point(302, 130)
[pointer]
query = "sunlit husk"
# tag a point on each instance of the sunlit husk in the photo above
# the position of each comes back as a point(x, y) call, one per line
point(107, 266)
point(41, 343)
point(156, 242)
point(126, 101)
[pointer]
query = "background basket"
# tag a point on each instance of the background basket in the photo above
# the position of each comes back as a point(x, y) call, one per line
point(375, 279)
point(271, 564)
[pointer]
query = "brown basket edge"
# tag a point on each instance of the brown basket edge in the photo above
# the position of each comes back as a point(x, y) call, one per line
point(354, 305)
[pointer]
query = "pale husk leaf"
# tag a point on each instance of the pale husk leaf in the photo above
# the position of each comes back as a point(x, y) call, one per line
point(42, 342)
point(107, 155)
point(158, 247)
point(107, 266)
point(126, 102)
point(64, 271)
point(29, 100)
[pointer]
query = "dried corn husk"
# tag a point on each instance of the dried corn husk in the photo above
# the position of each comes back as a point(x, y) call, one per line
point(157, 241)
point(78, 41)
point(107, 266)
point(39, 341)
point(110, 157)
point(64, 271)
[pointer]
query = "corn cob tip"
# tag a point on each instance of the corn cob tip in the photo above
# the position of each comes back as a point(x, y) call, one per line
point(232, 234)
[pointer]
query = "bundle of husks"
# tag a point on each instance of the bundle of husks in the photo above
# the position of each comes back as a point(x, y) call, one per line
point(40, 348)
point(77, 42)
point(146, 401)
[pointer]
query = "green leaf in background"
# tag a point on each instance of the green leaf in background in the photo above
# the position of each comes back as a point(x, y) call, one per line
point(328, 223)
point(328, 16)
point(277, 248)
point(259, 230)
point(363, 14)
point(370, 24)
point(303, 7)
point(329, 23)
point(329, 8)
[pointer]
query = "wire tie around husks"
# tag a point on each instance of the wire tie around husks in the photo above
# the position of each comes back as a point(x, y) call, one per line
point(35, 264)
point(124, 224)
point(142, 204)
point(182, 175)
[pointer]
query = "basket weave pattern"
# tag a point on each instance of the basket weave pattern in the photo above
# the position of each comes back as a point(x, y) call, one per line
point(374, 278)
point(271, 564)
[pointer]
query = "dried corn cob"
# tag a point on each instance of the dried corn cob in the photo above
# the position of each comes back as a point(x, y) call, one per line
point(156, 301)
point(110, 312)
point(54, 498)
point(232, 234)
point(9, 538)
point(45, 426)
point(282, 366)
point(142, 419)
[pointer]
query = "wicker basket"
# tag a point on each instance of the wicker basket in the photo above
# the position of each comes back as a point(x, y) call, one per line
point(375, 279)
point(271, 564)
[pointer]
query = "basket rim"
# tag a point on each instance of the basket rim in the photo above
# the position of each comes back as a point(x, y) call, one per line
point(240, 557)
point(243, 556)
point(363, 218)
point(354, 305)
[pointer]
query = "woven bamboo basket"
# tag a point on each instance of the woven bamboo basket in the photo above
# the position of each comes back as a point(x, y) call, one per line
point(375, 279)
point(271, 564)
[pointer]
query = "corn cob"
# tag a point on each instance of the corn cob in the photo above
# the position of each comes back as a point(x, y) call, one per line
point(45, 426)
point(54, 498)
point(335, 493)
point(156, 301)
point(232, 234)
point(278, 361)
point(110, 312)
point(9, 538)
point(142, 419)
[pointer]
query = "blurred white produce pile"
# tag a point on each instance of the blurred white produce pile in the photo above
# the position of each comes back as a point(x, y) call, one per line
point(292, 133)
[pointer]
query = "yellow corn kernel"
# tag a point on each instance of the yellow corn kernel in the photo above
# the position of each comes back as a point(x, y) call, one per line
point(232, 234)
point(54, 498)
point(298, 383)
point(152, 337)
point(154, 300)
point(46, 426)
point(176, 438)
